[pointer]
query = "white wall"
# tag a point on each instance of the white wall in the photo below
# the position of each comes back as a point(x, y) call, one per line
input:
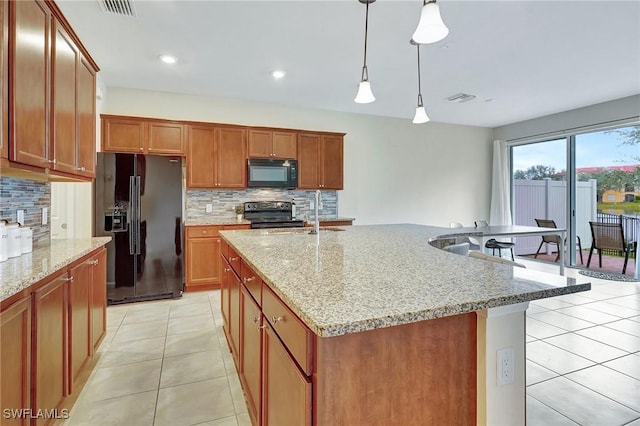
point(395, 171)
point(613, 113)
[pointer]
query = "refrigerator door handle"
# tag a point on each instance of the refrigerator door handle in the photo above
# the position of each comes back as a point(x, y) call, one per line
point(132, 216)
point(138, 216)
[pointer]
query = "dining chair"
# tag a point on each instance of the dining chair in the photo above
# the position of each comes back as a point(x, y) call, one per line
point(494, 244)
point(473, 243)
point(610, 236)
point(554, 239)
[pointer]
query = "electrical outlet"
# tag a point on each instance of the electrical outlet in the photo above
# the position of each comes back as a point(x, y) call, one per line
point(20, 217)
point(505, 367)
point(208, 208)
point(45, 215)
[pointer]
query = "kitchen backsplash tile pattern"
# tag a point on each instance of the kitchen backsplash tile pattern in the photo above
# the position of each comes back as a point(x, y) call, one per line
point(30, 196)
point(224, 201)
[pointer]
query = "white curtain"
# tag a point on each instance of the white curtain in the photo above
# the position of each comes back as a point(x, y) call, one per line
point(500, 213)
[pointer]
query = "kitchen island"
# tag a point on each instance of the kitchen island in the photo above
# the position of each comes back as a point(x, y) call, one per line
point(381, 326)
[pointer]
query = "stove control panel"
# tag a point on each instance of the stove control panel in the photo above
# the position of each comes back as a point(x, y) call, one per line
point(267, 206)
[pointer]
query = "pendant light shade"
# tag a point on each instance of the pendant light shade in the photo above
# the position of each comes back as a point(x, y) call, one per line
point(365, 95)
point(430, 27)
point(420, 115)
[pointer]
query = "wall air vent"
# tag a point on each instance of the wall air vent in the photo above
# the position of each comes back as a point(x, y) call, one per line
point(118, 7)
point(461, 97)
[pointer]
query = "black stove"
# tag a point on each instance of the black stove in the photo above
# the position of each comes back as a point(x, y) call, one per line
point(271, 214)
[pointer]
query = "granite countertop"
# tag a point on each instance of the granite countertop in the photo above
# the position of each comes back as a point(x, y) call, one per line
point(212, 220)
point(18, 273)
point(353, 279)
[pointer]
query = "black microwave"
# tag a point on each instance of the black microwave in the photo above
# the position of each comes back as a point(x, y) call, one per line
point(272, 173)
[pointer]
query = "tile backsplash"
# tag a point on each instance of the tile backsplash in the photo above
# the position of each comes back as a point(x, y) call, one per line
point(30, 196)
point(224, 201)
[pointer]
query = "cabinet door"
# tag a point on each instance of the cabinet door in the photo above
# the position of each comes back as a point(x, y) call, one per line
point(259, 144)
point(64, 65)
point(122, 135)
point(79, 314)
point(200, 157)
point(49, 345)
point(166, 138)
point(203, 261)
point(332, 159)
point(250, 357)
point(224, 293)
point(234, 317)
point(286, 392)
point(15, 353)
point(231, 153)
point(308, 161)
point(86, 119)
point(284, 145)
point(30, 82)
point(4, 79)
point(98, 298)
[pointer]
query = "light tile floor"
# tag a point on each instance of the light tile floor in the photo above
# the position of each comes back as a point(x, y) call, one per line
point(583, 355)
point(163, 363)
point(167, 363)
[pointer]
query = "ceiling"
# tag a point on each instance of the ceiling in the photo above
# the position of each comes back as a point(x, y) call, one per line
point(531, 58)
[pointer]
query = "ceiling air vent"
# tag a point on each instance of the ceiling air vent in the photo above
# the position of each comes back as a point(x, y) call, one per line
point(118, 7)
point(461, 97)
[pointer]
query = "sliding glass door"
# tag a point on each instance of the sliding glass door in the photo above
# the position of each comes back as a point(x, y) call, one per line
point(575, 180)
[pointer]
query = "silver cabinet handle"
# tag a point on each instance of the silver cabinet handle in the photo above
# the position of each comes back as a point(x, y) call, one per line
point(276, 319)
point(70, 279)
point(93, 262)
point(246, 280)
point(80, 169)
point(227, 269)
point(51, 161)
point(233, 259)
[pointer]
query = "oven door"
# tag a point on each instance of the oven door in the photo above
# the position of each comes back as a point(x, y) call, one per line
point(272, 173)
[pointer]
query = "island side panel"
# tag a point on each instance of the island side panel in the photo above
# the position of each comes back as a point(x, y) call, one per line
point(419, 373)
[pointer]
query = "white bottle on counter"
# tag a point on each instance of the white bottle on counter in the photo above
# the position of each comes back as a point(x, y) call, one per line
point(26, 243)
point(15, 246)
point(4, 241)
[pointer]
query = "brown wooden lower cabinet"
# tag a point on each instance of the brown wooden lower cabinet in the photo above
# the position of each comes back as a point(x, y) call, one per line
point(79, 320)
point(98, 298)
point(286, 392)
point(50, 345)
point(48, 337)
point(15, 357)
point(251, 344)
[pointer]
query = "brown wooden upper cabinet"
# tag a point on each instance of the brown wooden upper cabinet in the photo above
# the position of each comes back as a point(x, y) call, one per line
point(4, 79)
point(51, 90)
point(73, 142)
point(29, 81)
point(265, 143)
point(216, 157)
point(320, 161)
point(142, 136)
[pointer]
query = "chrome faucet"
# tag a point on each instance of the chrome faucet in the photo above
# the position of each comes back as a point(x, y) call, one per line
point(316, 224)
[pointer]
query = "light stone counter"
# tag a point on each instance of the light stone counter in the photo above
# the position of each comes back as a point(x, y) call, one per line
point(214, 221)
point(18, 273)
point(368, 277)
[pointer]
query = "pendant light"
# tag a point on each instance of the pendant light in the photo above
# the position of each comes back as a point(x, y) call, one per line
point(365, 95)
point(421, 114)
point(430, 27)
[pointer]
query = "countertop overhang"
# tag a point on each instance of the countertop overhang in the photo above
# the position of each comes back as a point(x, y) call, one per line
point(354, 279)
point(18, 273)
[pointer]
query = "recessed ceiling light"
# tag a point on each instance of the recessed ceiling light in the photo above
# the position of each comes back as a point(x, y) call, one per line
point(278, 74)
point(168, 59)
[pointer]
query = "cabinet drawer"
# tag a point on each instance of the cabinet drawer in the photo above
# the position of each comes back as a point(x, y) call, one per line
point(294, 334)
point(251, 281)
point(202, 231)
point(234, 261)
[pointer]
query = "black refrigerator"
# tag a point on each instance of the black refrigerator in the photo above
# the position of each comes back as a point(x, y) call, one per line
point(138, 202)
